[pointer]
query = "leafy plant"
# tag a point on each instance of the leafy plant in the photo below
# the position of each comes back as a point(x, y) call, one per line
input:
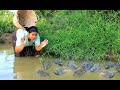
point(80, 34)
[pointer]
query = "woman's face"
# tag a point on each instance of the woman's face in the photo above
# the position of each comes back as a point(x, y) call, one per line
point(32, 35)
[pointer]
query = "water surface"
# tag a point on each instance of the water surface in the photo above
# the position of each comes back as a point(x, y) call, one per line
point(25, 68)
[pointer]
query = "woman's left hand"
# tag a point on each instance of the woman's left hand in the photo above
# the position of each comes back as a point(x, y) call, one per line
point(44, 43)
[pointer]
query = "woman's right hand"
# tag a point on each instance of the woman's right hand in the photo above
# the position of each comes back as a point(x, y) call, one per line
point(23, 41)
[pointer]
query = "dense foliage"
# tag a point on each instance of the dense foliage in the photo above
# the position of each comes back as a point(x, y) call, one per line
point(76, 34)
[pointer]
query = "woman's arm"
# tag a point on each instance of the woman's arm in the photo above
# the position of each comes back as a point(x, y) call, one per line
point(42, 45)
point(18, 49)
point(39, 48)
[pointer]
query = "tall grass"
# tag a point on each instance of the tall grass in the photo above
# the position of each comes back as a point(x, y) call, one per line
point(75, 34)
point(81, 34)
point(6, 23)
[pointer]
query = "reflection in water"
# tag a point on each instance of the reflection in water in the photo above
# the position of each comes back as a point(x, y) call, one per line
point(25, 68)
point(6, 66)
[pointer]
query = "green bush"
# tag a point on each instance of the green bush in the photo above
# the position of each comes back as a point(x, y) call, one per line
point(76, 34)
point(6, 24)
point(80, 34)
point(46, 13)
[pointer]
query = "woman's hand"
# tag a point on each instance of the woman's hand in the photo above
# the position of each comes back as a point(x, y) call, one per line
point(18, 49)
point(44, 43)
point(23, 41)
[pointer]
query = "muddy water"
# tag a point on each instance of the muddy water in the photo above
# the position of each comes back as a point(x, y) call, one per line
point(20, 68)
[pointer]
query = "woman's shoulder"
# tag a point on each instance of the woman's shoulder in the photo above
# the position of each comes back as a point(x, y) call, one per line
point(21, 31)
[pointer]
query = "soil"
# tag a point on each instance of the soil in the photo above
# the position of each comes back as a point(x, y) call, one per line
point(6, 38)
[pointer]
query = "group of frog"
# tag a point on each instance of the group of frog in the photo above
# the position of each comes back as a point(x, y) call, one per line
point(86, 66)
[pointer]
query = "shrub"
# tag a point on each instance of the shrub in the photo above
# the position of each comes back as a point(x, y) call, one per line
point(80, 34)
point(6, 24)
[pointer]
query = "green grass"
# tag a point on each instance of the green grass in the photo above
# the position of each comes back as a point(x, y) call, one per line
point(6, 24)
point(75, 34)
point(81, 34)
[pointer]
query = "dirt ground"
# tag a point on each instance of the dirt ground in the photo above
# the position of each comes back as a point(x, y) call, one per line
point(7, 38)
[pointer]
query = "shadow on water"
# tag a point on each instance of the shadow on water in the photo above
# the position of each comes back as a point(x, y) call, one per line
point(25, 68)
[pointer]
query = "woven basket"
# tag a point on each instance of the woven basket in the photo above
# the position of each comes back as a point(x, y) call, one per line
point(24, 18)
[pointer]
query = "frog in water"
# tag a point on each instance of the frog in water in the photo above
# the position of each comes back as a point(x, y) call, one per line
point(42, 73)
point(59, 62)
point(87, 65)
point(71, 64)
point(107, 74)
point(60, 71)
point(96, 67)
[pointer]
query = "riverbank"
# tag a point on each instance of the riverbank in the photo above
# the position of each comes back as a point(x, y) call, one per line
point(6, 38)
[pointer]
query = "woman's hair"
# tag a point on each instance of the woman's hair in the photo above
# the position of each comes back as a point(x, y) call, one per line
point(31, 29)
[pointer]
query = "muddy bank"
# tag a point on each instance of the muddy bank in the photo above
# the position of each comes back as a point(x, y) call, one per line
point(6, 38)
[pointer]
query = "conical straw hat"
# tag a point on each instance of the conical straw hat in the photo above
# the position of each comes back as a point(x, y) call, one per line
point(24, 18)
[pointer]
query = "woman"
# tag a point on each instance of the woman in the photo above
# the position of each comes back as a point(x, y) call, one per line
point(26, 42)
